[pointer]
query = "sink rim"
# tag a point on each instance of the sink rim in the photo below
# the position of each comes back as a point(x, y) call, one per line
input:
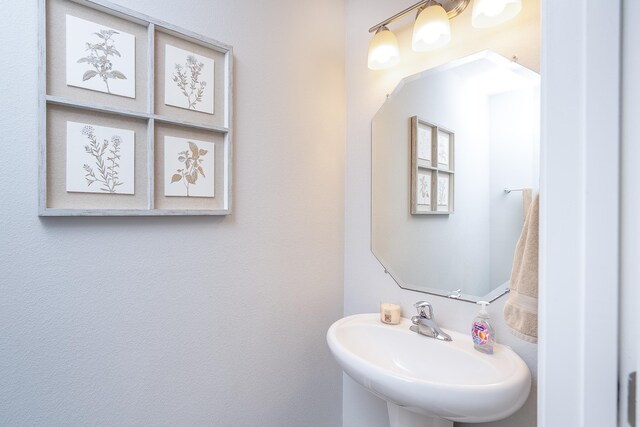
point(450, 400)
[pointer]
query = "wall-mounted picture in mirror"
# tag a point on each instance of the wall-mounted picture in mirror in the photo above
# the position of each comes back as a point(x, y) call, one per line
point(189, 80)
point(100, 159)
point(432, 152)
point(188, 167)
point(100, 58)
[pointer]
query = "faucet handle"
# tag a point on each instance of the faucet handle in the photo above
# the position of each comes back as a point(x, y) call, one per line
point(421, 306)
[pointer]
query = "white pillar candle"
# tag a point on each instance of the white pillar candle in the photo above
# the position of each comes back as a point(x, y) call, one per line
point(390, 313)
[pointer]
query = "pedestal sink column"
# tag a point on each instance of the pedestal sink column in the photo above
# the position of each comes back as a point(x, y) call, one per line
point(402, 417)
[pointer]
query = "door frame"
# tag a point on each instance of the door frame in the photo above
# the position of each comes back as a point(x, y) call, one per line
point(579, 213)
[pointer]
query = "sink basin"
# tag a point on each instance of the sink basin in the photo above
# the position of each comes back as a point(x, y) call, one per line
point(440, 381)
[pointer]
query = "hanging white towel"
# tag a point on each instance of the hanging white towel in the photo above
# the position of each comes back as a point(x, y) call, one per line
point(527, 195)
point(521, 310)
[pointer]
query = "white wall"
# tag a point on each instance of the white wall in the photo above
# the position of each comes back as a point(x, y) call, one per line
point(186, 321)
point(365, 282)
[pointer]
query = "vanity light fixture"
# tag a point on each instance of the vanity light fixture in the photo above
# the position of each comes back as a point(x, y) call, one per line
point(383, 49)
point(431, 29)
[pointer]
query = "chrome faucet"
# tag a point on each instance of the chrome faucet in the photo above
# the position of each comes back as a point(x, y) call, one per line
point(425, 324)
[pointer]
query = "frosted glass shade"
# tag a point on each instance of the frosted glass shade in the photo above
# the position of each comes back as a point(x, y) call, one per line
point(383, 50)
point(489, 13)
point(431, 29)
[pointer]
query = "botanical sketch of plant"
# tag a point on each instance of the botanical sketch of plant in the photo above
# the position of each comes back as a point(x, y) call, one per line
point(99, 159)
point(443, 191)
point(189, 80)
point(424, 189)
point(189, 167)
point(192, 159)
point(98, 58)
point(443, 149)
point(107, 156)
point(424, 144)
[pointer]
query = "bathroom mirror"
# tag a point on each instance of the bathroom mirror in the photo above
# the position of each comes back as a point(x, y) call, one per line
point(492, 105)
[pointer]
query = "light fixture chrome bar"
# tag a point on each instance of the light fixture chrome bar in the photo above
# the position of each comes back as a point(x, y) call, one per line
point(398, 15)
point(460, 6)
point(452, 12)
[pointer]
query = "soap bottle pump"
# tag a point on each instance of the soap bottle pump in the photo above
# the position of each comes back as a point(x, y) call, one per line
point(482, 331)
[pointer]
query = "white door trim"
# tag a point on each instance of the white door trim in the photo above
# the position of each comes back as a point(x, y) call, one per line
point(577, 379)
point(630, 207)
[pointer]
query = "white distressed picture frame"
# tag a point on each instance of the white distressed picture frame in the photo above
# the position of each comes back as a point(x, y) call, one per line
point(68, 105)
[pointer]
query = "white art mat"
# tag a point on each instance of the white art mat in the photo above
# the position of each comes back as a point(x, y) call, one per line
point(188, 80)
point(443, 192)
point(424, 189)
point(100, 159)
point(443, 149)
point(100, 58)
point(424, 144)
point(188, 167)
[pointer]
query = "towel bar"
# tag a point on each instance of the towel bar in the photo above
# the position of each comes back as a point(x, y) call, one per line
point(509, 190)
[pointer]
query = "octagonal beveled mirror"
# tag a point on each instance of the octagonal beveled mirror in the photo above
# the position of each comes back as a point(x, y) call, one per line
point(492, 106)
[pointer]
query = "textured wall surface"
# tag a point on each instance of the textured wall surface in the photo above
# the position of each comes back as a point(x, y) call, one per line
point(365, 282)
point(186, 321)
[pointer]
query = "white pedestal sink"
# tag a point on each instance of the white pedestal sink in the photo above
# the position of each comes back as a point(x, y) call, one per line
point(427, 382)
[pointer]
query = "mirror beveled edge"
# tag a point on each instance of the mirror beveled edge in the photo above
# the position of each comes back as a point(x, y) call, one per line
point(496, 293)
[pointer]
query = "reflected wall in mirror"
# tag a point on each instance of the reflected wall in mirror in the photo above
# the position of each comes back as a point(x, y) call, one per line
point(493, 104)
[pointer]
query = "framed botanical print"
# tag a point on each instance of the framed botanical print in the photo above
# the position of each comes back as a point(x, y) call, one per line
point(136, 114)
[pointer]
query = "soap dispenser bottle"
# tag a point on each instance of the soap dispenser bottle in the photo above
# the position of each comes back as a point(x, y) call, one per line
point(482, 331)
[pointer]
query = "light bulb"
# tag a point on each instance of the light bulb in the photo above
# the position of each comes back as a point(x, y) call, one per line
point(489, 13)
point(494, 7)
point(383, 50)
point(431, 29)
